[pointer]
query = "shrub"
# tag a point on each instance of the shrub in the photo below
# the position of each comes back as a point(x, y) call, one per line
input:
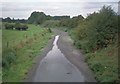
point(103, 28)
point(81, 30)
point(100, 29)
point(19, 26)
point(9, 26)
point(24, 27)
point(51, 23)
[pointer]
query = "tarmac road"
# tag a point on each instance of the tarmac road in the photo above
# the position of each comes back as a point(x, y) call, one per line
point(61, 62)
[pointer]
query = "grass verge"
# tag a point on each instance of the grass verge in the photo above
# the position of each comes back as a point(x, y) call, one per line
point(27, 46)
point(103, 62)
point(0, 55)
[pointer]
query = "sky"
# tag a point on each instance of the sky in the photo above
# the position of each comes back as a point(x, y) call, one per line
point(23, 8)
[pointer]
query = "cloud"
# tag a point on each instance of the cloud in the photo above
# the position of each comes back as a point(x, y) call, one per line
point(24, 9)
point(60, 0)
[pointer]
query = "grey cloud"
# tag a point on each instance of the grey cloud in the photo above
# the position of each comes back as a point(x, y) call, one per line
point(23, 10)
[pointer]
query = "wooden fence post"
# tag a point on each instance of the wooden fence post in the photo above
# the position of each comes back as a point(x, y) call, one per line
point(7, 44)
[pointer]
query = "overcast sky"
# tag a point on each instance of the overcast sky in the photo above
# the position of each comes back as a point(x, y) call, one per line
point(23, 8)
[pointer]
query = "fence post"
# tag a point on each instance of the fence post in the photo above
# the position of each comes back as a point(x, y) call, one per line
point(7, 44)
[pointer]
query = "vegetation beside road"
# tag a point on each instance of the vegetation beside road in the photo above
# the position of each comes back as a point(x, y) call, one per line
point(0, 53)
point(20, 48)
point(97, 37)
point(103, 62)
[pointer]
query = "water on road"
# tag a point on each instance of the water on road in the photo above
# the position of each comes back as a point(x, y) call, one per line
point(56, 68)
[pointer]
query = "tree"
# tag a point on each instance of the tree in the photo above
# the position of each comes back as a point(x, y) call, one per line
point(103, 28)
point(8, 19)
point(37, 18)
point(17, 26)
point(76, 20)
point(99, 29)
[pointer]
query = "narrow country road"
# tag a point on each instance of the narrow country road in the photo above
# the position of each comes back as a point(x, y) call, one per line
point(61, 62)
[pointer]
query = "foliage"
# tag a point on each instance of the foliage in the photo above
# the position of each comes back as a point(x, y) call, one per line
point(97, 37)
point(100, 29)
point(50, 31)
point(75, 21)
point(60, 17)
point(51, 23)
point(54, 21)
point(65, 22)
point(9, 26)
point(37, 18)
point(9, 57)
point(23, 48)
point(104, 63)
point(9, 20)
point(19, 26)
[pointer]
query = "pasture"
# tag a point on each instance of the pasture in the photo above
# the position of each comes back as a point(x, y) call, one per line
point(20, 48)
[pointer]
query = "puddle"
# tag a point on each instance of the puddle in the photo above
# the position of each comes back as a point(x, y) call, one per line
point(56, 68)
point(55, 41)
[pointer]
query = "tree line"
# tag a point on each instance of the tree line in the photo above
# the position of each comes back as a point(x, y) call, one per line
point(98, 30)
point(16, 26)
point(40, 18)
point(9, 20)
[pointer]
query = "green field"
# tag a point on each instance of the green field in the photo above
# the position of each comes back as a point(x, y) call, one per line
point(0, 54)
point(27, 45)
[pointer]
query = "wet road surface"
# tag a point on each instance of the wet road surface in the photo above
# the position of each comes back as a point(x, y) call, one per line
point(54, 67)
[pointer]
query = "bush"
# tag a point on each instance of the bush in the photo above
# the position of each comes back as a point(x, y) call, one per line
point(19, 26)
point(51, 23)
point(103, 28)
point(24, 27)
point(9, 26)
point(100, 29)
point(81, 30)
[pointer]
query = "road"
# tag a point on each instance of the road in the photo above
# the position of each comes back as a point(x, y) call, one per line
point(61, 62)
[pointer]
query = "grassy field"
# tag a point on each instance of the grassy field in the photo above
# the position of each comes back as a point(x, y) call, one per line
point(0, 54)
point(27, 46)
point(103, 62)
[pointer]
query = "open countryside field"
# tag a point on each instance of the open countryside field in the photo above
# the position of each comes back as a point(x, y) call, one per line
point(71, 42)
point(0, 54)
point(26, 46)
